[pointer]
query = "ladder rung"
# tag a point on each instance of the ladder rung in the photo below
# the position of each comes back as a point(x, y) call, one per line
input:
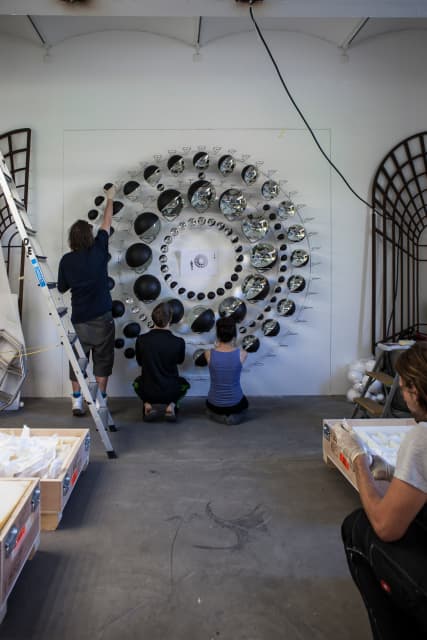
point(41, 258)
point(10, 367)
point(371, 406)
point(30, 230)
point(51, 285)
point(385, 378)
point(72, 337)
point(5, 397)
point(62, 311)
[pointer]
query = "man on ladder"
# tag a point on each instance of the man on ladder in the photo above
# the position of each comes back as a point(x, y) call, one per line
point(84, 271)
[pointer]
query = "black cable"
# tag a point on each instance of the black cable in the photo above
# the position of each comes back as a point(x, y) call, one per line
point(319, 146)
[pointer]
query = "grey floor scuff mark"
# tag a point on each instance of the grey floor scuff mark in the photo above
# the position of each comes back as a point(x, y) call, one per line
point(241, 527)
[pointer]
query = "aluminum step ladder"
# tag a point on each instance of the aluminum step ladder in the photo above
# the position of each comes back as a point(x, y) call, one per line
point(58, 311)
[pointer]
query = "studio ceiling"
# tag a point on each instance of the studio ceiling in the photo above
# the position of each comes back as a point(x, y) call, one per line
point(343, 23)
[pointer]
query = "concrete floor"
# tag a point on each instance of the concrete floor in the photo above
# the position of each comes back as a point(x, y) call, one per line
point(198, 531)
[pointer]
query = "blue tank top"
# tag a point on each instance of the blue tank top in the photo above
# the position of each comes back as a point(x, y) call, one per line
point(225, 369)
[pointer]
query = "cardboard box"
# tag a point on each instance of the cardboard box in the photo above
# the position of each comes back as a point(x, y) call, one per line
point(332, 454)
point(55, 492)
point(19, 531)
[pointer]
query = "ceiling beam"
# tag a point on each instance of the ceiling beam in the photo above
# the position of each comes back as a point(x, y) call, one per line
point(220, 8)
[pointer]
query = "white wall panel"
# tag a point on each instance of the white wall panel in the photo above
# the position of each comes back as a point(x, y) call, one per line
point(133, 89)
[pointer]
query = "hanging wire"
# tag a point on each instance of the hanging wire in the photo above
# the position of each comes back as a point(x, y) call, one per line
point(313, 135)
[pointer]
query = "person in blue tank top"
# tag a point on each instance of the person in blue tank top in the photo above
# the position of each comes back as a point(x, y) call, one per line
point(226, 401)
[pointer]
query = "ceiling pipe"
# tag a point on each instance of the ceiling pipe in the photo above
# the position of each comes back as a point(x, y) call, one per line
point(345, 44)
point(46, 45)
point(197, 55)
point(37, 30)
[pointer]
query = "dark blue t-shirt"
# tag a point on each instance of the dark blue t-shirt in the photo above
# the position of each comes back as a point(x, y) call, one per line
point(85, 273)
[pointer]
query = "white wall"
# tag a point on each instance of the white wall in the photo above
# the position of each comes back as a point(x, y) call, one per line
point(115, 81)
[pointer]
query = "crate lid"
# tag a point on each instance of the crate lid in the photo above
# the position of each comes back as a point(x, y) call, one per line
point(11, 492)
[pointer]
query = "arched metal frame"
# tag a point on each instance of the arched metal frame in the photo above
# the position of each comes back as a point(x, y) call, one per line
point(15, 146)
point(399, 198)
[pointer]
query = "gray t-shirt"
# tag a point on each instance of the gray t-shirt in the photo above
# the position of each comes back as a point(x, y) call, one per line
point(411, 464)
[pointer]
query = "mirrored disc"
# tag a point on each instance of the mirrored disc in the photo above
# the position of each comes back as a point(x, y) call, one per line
point(132, 190)
point(232, 204)
point(201, 160)
point(201, 319)
point(147, 226)
point(170, 204)
point(232, 308)
point(176, 165)
point(263, 256)
point(250, 343)
point(254, 228)
point(255, 287)
point(286, 209)
point(270, 189)
point(226, 165)
point(138, 256)
point(201, 194)
point(296, 233)
point(299, 257)
point(152, 174)
point(296, 283)
point(286, 307)
point(249, 174)
point(199, 358)
point(270, 328)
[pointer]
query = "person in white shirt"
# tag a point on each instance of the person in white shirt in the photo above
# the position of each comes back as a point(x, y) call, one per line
point(386, 541)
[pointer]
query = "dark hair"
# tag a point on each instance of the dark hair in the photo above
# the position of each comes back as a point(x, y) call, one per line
point(226, 329)
point(80, 236)
point(162, 315)
point(411, 366)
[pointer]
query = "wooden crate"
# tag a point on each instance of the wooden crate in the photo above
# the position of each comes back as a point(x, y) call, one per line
point(332, 454)
point(55, 492)
point(19, 532)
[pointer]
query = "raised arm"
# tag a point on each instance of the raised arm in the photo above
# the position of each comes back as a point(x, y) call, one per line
point(108, 211)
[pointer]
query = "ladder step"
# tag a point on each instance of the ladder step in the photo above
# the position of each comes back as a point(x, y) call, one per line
point(51, 285)
point(62, 311)
point(371, 406)
point(385, 378)
point(30, 230)
point(11, 368)
point(41, 258)
point(5, 397)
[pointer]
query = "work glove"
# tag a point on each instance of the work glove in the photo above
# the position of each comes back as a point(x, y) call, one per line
point(110, 192)
point(381, 470)
point(350, 444)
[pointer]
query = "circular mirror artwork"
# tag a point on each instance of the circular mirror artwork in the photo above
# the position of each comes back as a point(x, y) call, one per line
point(212, 234)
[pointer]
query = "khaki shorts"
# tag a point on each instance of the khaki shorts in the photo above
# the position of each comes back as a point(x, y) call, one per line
point(97, 338)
